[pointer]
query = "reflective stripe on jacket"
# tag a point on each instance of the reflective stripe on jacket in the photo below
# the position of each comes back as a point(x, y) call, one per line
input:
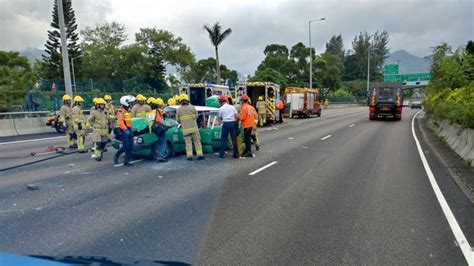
point(187, 116)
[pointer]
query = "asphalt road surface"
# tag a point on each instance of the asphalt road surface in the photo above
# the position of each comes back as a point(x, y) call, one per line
point(339, 189)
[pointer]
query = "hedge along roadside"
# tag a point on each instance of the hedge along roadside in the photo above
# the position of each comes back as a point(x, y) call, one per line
point(455, 106)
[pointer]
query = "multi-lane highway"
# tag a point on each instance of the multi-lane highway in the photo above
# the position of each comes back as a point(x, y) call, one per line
point(339, 189)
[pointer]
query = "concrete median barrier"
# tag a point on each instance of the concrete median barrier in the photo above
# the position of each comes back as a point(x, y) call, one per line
point(458, 139)
point(7, 128)
point(24, 126)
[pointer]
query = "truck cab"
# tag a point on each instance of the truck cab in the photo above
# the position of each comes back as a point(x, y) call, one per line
point(199, 92)
point(270, 92)
point(385, 102)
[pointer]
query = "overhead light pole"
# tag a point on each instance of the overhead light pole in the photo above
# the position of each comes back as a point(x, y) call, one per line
point(64, 51)
point(311, 53)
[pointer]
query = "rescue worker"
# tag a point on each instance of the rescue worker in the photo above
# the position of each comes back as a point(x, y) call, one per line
point(228, 114)
point(187, 116)
point(247, 117)
point(99, 121)
point(150, 101)
point(110, 111)
point(160, 131)
point(171, 101)
point(124, 119)
point(280, 106)
point(262, 111)
point(140, 108)
point(93, 107)
point(177, 99)
point(65, 117)
point(238, 128)
point(91, 110)
point(79, 123)
point(255, 140)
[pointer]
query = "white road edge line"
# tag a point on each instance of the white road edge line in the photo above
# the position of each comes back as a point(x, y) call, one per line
point(324, 138)
point(132, 162)
point(263, 168)
point(30, 140)
point(453, 223)
point(351, 125)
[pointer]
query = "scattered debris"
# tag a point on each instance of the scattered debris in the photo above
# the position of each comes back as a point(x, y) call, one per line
point(71, 165)
point(32, 187)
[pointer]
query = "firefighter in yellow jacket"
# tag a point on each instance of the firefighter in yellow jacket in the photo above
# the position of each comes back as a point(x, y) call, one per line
point(65, 117)
point(187, 116)
point(99, 121)
point(109, 106)
point(262, 111)
point(140, 108)
point(79, 123)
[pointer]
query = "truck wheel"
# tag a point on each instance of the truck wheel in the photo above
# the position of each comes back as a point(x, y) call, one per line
point(319, 113)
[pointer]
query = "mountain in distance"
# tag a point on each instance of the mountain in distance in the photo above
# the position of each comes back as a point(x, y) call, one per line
point(33, 54)
point(409, 63)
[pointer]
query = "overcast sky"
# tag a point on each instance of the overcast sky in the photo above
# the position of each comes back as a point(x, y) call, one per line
point(414, 26)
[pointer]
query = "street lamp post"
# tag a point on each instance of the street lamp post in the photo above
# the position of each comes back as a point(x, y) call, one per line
point(310, 53)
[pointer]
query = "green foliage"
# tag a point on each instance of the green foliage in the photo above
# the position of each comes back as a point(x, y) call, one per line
point(340, 95)
point(450, 93)
point(204, 71)
point(16, 78)
point(357, 87)
point(270, 75)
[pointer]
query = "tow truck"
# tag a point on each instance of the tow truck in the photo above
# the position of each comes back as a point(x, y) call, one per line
point(270, 92)
point(303, 102)
point(199, 92)
point(386, 101)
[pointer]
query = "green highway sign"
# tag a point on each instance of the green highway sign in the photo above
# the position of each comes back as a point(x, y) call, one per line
point(390, 69)
point(407, 77)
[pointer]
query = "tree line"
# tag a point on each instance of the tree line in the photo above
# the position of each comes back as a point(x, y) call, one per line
point(335, 68)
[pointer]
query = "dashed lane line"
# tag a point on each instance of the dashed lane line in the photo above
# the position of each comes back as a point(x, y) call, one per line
point(263, 168)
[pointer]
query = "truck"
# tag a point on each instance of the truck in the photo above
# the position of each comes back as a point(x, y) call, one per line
point(198, 92)
point(270, 92)
point(303, 102)
point(386, 101)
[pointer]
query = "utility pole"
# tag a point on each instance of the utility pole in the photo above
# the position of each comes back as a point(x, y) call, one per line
point(64, 51)
point(368, 70)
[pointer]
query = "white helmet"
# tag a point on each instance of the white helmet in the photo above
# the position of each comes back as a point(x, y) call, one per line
point(127, 100)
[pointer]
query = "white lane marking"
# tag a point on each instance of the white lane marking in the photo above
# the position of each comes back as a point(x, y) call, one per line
point(351, 125)
point(263, 168)
point(290, 138)
point(30, 140)
point(324, 138)
point(453, 223)
point(132, 162)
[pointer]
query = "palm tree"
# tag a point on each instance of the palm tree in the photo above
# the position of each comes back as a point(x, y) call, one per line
point(216, 37)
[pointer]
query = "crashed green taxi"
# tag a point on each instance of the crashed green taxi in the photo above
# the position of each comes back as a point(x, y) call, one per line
point(145, 142)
